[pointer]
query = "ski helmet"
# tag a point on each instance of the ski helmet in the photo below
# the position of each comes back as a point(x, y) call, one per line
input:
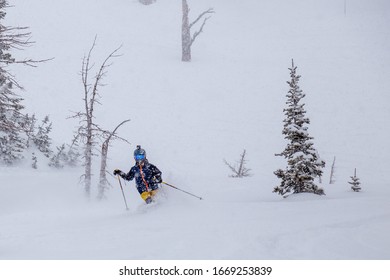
point(139, 154)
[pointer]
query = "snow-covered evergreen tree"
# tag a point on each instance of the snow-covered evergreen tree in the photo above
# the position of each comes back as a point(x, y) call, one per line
point(34, 161)
point(355, 184)
point(11, 142)
point(303, 163)
point(73, 153)
point(12, 120)
point(29, 128)
point(59, 159)
point(63, 157)
point(42, 139)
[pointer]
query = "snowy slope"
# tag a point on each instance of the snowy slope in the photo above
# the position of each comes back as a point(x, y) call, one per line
point(191, 116)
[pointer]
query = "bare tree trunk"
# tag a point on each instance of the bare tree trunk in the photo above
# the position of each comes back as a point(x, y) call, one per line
point(185, 34)
point(103, 162)
point(89, 101)
point(331, 180)
point(147, 2)
point(88, 163)
point(186, 39)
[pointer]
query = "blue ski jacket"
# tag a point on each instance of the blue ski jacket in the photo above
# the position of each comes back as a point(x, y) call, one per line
point(147, 176)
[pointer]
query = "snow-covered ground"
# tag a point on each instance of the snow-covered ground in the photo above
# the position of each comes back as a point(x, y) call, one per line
point(191, 116)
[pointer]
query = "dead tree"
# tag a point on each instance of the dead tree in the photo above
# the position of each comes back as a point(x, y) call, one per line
point(186, 39)
point(241, 170)
point(332, 172)
point(103, 182)
point(88, 130)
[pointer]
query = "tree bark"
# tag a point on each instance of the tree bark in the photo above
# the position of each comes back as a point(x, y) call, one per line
point(332, 170)
point(185, 34)
point(103, 165)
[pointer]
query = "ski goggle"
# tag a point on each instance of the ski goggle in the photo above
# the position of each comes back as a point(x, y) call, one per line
point(139, 157)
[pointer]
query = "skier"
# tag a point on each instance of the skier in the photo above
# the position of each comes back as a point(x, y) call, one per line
point(147, 176)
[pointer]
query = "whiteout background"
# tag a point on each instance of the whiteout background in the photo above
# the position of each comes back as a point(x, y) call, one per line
point(191, 116)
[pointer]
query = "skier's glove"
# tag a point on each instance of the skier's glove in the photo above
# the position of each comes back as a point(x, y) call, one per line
point(157, 179)
point(117, 172)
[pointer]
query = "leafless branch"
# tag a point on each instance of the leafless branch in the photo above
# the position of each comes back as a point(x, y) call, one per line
point(196, 33)
point(209, 11)
point(29, 62)
point(241, 170)
point(113, 133)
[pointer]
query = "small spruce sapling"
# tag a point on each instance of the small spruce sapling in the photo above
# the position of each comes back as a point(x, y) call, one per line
point(355, 184)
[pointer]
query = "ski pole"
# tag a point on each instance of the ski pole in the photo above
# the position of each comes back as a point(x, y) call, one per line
point(120, 184)
point(181, 190)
